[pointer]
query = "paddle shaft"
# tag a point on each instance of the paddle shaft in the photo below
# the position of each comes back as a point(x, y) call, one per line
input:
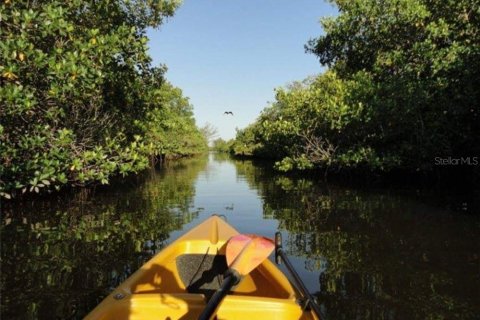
point(299, 283)
point(211, 309)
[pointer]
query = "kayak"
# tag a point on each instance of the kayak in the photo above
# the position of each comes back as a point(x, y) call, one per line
point(178, 281)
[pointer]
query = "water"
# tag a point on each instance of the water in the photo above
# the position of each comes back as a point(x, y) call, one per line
point(366, 254)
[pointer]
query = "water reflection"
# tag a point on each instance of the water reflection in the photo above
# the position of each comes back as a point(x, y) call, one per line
point(367, 254)
point(61, 256)
point(376, 254)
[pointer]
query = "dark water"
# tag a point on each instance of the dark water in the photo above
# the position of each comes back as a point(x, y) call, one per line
point(367, 254)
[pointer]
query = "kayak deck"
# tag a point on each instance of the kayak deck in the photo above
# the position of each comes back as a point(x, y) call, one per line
point(177, 282)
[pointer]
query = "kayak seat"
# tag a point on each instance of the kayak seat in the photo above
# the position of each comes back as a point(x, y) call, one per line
point(201, 273)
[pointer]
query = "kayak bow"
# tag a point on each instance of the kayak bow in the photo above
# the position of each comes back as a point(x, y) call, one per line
point(178, 282)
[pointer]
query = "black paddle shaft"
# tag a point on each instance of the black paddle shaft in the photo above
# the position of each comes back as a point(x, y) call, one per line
point(231, 278)
point(280, 255)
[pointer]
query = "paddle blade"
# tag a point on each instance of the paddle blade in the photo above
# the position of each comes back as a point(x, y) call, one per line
point(245, 252)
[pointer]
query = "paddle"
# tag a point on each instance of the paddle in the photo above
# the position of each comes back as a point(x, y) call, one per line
point(244, 253)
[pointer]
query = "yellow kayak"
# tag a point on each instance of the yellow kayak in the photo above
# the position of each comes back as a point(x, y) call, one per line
point(177, 282)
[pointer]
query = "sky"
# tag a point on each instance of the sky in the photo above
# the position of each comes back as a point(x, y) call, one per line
point(230, 55)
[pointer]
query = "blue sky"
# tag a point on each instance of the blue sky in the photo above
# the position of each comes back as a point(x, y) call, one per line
point(229, 55)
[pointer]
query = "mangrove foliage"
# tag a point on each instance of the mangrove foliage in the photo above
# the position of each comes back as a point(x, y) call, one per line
point(79, 98)
point(401, 90)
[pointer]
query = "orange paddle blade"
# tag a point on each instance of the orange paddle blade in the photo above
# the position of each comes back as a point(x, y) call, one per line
point(245, 252)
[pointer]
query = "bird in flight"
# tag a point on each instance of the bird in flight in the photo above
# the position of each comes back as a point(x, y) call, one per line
point(228, 112)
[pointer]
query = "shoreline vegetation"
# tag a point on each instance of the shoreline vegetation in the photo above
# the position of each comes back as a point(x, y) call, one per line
point(80, 99)
point(400, 94)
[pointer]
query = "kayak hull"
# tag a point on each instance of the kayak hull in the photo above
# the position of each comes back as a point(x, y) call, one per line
point(176, 283)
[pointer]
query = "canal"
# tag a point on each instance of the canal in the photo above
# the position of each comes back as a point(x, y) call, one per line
point(366, 253)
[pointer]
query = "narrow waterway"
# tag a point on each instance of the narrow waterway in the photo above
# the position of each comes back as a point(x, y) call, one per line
point(366, 254)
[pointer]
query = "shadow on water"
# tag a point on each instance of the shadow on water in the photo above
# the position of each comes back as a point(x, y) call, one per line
point(375, 254)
